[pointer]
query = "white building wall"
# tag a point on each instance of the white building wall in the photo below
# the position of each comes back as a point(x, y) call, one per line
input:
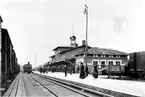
point(100, 60)
point(79, 60)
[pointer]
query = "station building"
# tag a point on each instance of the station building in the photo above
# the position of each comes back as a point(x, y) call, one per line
point(102, 57)
point(73, 55)
point(65, 55)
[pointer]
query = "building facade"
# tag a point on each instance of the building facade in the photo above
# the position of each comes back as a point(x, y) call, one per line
point(65, 55)
point(101, 57)
point(75, 55)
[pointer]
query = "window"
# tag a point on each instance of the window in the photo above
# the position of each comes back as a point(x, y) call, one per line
point(102, 64)
point(110, 62)
point(118, 63)
point(95, 62)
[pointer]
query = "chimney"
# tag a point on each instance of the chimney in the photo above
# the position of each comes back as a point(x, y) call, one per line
point(83, 42)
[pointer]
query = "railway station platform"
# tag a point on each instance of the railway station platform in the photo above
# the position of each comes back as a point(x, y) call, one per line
point(127, 87)
point(34, 85)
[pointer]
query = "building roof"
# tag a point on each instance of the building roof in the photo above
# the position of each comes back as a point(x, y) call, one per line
point(51, 56)
point(70, 50)
point(74, 49)
point(69, 47)
point(104, 51)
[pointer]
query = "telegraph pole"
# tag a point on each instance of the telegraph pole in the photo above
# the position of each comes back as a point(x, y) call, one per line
point(86, 46)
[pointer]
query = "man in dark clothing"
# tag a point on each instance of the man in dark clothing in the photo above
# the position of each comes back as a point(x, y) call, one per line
point(87, 72)
point(65, 70)
point(95, 72)
point(82, 72)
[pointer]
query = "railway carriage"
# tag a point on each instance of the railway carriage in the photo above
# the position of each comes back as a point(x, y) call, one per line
point(9, 65)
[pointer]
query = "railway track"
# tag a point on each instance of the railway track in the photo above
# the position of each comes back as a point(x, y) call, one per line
point(66, 90)
point(83, 92)
point(35, 85)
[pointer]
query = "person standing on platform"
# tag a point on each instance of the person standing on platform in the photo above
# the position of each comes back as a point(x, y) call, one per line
point(95, 72)
point(82, 72)
point(86, 70)
point(65, 70)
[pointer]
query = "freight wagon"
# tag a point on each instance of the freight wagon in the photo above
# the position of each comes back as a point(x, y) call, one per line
point(8, 57)
point(136, 65)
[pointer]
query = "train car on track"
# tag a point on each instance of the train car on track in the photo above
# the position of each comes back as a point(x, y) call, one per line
point(8, 57)
point(136, 65)
point(27, 68)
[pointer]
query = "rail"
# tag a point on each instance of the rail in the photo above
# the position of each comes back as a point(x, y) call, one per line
point(84, 89)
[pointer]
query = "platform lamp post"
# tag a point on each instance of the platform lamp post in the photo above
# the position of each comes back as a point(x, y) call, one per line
point(86, 46)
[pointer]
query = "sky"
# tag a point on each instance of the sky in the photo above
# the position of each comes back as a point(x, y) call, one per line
point(36, 27)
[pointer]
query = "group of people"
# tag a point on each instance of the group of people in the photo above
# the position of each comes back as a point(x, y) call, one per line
point(43, 70)
point(84, 71)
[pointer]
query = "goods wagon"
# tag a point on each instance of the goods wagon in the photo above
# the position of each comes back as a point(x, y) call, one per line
point(27, 68)
point(136, 64)
point(8, 57)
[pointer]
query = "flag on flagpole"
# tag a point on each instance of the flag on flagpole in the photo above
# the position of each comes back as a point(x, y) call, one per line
point(86, 10)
